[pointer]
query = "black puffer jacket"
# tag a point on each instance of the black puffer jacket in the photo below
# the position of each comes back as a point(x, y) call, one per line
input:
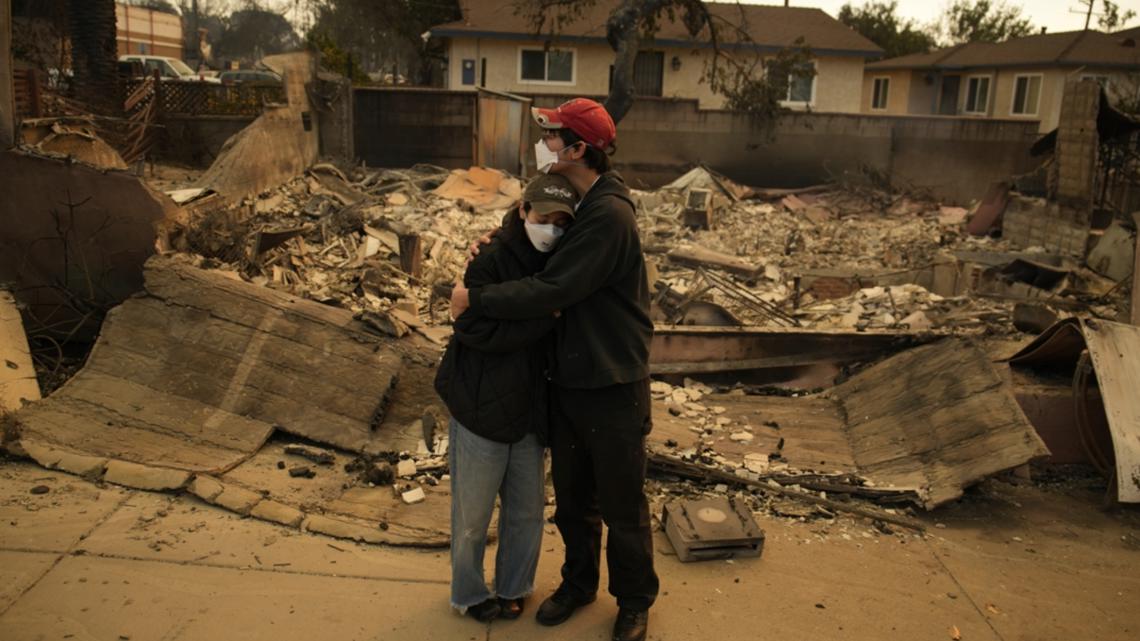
point(493, 374)
point(597, 278)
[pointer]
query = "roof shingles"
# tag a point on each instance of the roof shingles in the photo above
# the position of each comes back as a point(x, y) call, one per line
point(767, 26)
point(1064, 49)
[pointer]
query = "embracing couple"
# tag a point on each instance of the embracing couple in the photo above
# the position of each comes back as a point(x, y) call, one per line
point(551, 348)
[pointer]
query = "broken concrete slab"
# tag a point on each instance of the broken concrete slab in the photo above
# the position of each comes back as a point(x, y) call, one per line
point(18, 383)
point(1104, 357)
point(145, 477)
point(280, 513)
point(55, 458)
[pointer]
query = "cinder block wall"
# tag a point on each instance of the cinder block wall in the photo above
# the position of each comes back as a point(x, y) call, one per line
point(660, 138)
point(1077, 143)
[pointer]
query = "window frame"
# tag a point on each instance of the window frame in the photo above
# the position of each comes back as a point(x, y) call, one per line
point(875, 94)
point(1036, 113)
point(1106, 85)
point(546, 69)
point(788, 102)
point(989, 94)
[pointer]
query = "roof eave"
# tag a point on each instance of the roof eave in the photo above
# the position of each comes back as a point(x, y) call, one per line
point(660, 42)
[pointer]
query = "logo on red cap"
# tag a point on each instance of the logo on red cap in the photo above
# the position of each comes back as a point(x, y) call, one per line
point(583, 116)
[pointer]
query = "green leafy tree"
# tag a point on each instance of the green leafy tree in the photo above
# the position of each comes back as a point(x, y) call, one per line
point(388, 35)
point(254, 32)
point(748, 80)
point(983, 21)
point(335, 59)
point(879, 22)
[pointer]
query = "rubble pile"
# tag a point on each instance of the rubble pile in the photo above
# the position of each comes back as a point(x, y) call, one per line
point(386, 244)
point(372, 242)
point(903, 307)
point(855, 231)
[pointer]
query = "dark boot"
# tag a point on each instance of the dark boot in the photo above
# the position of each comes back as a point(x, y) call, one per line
point(559, 606)
point(484, 612)
point(631, 625)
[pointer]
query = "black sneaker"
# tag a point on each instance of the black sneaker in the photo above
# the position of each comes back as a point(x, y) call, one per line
point(631, 625)
point(484, 612)
point(511, 608)
point(559, 606)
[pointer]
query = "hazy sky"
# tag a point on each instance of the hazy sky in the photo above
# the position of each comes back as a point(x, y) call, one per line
point(1054, 14)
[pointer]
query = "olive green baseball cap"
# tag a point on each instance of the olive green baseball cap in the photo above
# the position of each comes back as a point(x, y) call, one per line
point(550, 193)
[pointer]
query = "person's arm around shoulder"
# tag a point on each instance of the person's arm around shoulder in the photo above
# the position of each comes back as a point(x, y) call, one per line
point(583, 263)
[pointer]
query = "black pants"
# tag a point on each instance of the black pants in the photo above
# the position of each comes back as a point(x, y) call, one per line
point(597, 446)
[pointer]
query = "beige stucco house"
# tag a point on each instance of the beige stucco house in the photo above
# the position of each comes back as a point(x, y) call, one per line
point(496, 49)
point(1018, 79)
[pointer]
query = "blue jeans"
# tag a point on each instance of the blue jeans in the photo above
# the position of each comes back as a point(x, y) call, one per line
point(480, 469)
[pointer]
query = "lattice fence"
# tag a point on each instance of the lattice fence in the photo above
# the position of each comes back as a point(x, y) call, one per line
point(211, 99)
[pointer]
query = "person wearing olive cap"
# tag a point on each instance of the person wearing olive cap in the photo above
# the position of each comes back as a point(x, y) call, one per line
point(492, 379)
point(600, 410)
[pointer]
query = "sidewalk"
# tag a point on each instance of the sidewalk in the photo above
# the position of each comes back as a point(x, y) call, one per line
point(86, 562)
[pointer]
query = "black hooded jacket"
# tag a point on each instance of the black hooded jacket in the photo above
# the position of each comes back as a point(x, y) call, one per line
point(597, 279)
point(493, 375)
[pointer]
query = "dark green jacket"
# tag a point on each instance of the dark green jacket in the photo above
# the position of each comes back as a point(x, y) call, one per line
point(597, 279)
point(493, 375)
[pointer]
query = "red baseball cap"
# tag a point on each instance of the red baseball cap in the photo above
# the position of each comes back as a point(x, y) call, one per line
point(584, 117)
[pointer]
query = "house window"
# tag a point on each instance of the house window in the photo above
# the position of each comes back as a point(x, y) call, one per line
point(1100, 80)
point(882, 89)
point(554, 65)
point(1026, 95)
point(977, 94)
point(468, 70)
point(801, 86)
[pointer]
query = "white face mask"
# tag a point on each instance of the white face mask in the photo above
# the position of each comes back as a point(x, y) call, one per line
point(543, 237)
point(544, 159)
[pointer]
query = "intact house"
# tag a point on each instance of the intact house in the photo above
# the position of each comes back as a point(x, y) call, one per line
point(493, 48)
point(1020, 79)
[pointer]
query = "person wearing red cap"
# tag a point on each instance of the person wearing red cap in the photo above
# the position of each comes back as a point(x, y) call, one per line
point(600, 411)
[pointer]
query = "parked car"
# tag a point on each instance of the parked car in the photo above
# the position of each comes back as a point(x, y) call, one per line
point(168, 68)
point(258, 77)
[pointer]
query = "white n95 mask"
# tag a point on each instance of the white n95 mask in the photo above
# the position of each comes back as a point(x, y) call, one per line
point(544, 159)
point(543, 237)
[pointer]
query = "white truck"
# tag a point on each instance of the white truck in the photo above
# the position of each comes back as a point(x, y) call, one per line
point(168, 68)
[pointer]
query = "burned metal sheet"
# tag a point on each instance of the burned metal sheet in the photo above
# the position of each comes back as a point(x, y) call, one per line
point(691, 350)
point(937, 419)
point(1113, 350)
point(919, 426)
